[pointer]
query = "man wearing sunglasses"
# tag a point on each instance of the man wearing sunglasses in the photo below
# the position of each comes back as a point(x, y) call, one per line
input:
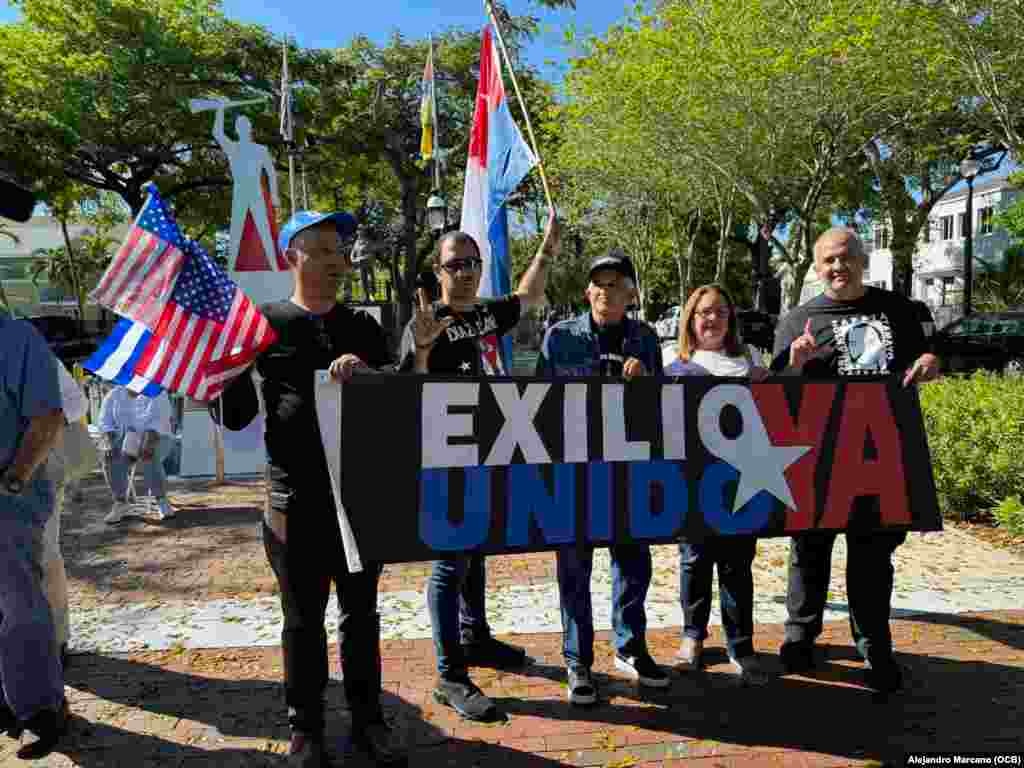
point(300, 532)
point(460, 336)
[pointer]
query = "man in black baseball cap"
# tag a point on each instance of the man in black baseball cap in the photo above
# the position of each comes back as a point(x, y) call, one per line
point(616, 261)
point(604, 342)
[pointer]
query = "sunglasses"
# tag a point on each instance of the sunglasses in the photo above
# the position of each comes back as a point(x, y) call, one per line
point(455, 266)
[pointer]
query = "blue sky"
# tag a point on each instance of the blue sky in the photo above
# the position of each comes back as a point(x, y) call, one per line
point(330, 23)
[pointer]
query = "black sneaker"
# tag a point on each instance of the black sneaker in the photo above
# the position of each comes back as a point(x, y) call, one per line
point(380, 741)
point(642, 669)
point(49, 726)
point(8, 722)
point(582, 689)
point(796, 657)
point(493, 653)
point(306, 750)
point(884, 677)
point(466, 699)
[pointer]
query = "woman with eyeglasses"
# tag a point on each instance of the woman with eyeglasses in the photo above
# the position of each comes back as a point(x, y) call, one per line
point(709, 345)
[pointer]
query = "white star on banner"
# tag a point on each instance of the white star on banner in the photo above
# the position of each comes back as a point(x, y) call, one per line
point(465, 367)
point(762, 466)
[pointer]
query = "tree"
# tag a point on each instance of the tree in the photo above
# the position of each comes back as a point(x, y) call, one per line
point(372, 159)
point(980, 45)
point(775, 107)
point(74, 268)
point(100, 91)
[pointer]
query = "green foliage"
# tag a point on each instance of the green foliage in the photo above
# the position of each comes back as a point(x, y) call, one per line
point(975, 432)
point(1009, 513)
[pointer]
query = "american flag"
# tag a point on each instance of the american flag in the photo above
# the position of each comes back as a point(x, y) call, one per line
point(141, 276)
point(208, 333)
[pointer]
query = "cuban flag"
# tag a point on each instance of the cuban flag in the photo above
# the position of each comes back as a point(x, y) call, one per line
point(499, 158)
point(116, 358)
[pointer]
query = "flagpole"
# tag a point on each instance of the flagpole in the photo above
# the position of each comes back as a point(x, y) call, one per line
point(286, 120)
point(433, 109)
point(519, 96)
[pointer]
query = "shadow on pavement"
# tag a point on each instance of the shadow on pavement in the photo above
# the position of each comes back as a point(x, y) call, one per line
point(946, 705)
point(170, 717)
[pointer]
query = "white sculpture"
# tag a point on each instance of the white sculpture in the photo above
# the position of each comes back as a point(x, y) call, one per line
point(248, 161)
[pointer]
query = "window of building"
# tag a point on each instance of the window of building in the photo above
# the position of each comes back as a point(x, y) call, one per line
point(985, 220)
point(963, 224)
point(947, 227)
point(950, 292)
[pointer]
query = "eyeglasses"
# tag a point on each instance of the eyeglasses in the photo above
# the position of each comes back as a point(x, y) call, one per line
point(722, 313)
point(455, 266)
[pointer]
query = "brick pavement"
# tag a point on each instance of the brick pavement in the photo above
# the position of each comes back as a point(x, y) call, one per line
point(207, 708)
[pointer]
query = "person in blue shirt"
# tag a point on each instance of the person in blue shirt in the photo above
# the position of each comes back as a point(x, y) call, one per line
point(31, 418)
point(604, 342)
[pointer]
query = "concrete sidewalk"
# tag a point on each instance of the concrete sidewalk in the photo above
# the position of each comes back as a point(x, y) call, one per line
point(223, 707)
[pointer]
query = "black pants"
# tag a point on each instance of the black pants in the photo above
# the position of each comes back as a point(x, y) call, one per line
point(869, 582)
point(305, 567)
point(734, 556)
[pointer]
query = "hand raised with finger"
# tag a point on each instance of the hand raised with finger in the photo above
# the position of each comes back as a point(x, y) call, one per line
point(426, 328)
point(803, 348)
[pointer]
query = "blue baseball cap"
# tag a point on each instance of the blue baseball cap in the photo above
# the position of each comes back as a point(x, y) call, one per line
point(345, 222)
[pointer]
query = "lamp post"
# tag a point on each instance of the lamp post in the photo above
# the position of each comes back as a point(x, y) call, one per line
point(437, 214)
point(969, 169)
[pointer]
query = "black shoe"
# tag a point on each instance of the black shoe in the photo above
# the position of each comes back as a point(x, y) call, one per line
point(884, 677)
point(581, 689)
point(466, 699)
point(493, 653)
point(8, 722)
point(380, 741)
point(306, 751)
point(49, 726)
point(796, 656)
point(642, 669)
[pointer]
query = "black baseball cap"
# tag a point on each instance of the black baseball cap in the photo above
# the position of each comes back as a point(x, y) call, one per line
point(615, 260)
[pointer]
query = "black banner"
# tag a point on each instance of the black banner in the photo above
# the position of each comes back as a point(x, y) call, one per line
point(498, 465)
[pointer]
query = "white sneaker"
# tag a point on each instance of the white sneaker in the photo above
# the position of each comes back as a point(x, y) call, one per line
point(118, 512)
point(164, 510)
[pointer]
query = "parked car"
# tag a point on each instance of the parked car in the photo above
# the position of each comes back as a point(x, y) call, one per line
point(62, 333)
point(991, 341)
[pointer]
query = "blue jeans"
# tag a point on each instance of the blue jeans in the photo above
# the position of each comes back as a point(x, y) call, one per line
point(734, 556)
point(457, 605)
point(153, 470)
point(30, 671)
point(631, 576)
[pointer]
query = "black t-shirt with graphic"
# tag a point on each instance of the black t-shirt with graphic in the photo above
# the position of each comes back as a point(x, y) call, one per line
point(876, 335)
point(469, 346)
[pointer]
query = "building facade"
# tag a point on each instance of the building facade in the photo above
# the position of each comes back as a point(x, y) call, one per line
point(35, 237)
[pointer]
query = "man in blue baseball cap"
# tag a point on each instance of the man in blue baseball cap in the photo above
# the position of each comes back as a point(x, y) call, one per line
point(300, 532)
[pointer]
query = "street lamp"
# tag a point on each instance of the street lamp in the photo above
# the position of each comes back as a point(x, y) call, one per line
point(969, 169)
point(437, 214)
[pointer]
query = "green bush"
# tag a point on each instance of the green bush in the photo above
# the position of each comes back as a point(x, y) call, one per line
point(1009, 513)
point(976, 435)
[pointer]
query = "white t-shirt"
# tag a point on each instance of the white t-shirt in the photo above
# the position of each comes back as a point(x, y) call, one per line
point(142, 414)
point(72, 398)
point(719, 364)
